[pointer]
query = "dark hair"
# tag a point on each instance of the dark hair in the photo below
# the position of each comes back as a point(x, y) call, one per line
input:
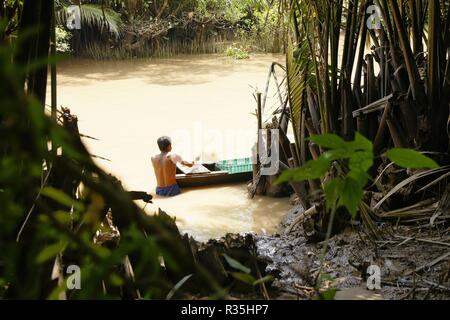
point(164, 143)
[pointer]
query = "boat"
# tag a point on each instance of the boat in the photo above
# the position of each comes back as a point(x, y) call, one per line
point(222, 172)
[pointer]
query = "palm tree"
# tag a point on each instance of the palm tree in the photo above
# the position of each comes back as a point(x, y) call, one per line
point(94, 17)
point(396, 94)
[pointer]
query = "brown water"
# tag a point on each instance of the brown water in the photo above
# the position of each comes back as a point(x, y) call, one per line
point(203, 102)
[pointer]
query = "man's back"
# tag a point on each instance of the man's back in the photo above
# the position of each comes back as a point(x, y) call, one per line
point(165, 168)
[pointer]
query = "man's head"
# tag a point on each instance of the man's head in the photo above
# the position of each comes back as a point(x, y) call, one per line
point(165, 144)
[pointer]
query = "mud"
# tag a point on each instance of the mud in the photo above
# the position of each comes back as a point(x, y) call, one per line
point(408, 268)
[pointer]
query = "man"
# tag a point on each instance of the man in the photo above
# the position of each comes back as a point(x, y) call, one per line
point(165, 166)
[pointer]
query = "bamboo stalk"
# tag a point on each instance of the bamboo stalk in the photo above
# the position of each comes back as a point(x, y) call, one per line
point(381, 135)
point(413, 73)
point(396, 134)
point(295, 156)
point(302, 156)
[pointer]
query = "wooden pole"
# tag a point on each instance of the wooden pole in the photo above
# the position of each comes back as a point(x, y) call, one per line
point(256, 167)
point(259, 115)
point(259, 102)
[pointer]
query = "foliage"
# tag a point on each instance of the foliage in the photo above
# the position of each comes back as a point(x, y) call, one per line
point(147, 26)
point(410, 159)
point(9, 13)
point(237, 52)
point(232, 11)
point(347, 190)
point(334, 87)
point(63, 40)
point(265, 29)
point(101, 18)
point(297, 69)
point(94, 17)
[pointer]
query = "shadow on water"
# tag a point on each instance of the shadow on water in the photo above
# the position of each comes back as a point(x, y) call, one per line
point(183, 70)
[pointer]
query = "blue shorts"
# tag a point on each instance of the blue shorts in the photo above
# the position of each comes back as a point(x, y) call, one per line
point(169, 191)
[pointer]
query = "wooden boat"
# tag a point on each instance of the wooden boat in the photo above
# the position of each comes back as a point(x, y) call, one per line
point(209, 174)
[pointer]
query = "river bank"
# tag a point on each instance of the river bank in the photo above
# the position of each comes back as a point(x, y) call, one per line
point(412, 262)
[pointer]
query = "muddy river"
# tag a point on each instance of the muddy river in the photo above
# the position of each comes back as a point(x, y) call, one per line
point(204, 103)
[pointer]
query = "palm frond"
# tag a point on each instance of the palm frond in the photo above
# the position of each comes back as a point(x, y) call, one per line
point(94, 17)
point(409, 180)
point(296, 88)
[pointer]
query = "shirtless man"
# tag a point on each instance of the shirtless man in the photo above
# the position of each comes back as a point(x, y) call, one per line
point(165, 166)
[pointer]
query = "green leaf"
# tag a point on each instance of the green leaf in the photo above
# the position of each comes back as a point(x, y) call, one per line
point(332, 191)
point(296, 72)
point(361, 143)
point(360, 177)
point(236, 264)
point(337, 154)
point(50, 252)
point(265, 279)
point(313, 169)
point(329, 140)
point(361, 161)
point(351, 195)
point(178, 286)
point(62, 198)
point(411, 159)
point(244, 277)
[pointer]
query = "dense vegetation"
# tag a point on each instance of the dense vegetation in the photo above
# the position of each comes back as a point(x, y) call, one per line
point(142, 28)
point(382, 72)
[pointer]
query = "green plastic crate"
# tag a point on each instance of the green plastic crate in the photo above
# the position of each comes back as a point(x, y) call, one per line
point(236, 165)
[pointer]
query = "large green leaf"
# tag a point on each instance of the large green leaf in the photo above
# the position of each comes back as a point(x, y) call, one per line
point(361, 177)
point(361, 161)
point(296, 82)
point(361, 143)
point(332, 191)
point(313, 169)
point(410, 159)
point(350, 195)
point(337, 154)
point(329, 140)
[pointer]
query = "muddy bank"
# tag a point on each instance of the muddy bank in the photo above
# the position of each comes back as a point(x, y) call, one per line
point(414, 263)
